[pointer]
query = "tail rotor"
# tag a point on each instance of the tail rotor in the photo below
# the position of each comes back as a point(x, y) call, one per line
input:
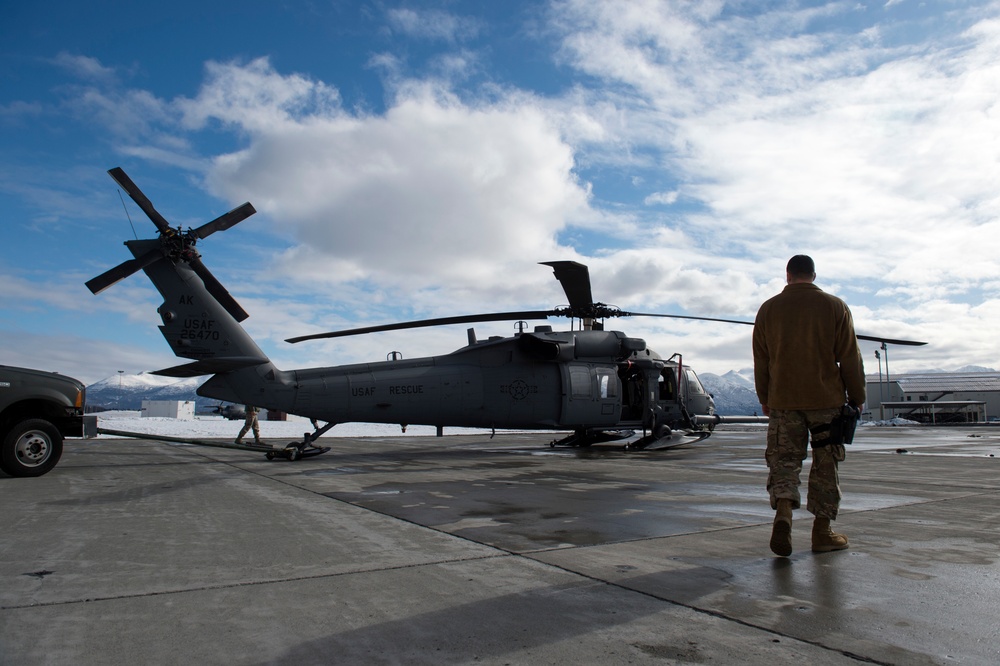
point(175, 245)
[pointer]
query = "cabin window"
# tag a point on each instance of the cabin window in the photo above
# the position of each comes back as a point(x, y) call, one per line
point(608, 382)
point(579, 381)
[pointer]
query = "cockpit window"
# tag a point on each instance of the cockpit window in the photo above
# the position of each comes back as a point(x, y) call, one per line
point(694, 384)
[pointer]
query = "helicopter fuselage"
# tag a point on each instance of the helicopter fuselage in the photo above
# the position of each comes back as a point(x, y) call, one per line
point(576, 380)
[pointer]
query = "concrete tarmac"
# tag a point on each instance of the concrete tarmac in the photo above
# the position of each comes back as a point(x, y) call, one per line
point(467, 549)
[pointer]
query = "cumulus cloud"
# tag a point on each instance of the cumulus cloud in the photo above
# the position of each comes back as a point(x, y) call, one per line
point(432, 191)
point(808, 136)
point(255, 98)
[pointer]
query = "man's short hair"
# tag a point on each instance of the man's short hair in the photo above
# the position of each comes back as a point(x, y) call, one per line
point(801, 265)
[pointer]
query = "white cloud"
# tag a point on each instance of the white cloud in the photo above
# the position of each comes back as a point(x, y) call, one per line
point(85, 67)
point(433, 191)
point(84, 359)
point(255, 98)
point(661, 198)
point(432, 24)
point(881, 162)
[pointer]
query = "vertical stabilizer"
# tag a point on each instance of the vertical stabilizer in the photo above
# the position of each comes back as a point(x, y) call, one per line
point(201, 319)
point(195, 324)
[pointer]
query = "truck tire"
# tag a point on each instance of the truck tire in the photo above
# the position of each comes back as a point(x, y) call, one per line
point(31, 448)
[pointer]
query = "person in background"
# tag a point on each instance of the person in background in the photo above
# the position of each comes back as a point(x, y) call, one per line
point(250, 423)
point(807, 365)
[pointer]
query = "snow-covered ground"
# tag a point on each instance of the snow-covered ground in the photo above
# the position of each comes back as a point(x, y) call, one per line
point(204, 427)
point(890, 423)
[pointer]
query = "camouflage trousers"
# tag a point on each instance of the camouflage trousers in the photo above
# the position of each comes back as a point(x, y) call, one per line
point(250, 423)
point(787, 442)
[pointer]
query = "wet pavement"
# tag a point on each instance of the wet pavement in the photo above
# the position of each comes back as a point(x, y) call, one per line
point(467, 549)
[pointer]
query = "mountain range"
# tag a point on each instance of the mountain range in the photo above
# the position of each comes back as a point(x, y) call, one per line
point(123, 391)
point(734, 392)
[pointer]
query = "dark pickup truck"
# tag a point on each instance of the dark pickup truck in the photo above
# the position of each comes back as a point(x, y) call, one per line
point(37, 410)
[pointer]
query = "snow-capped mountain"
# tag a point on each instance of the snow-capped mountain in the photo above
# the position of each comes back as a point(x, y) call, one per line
point(734, 392)
point(128, 391)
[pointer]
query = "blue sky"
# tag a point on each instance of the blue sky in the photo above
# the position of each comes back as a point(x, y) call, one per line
point(418, 159)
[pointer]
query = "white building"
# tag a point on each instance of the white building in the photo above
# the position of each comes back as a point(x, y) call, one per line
point(935, 397)
point(171, 409)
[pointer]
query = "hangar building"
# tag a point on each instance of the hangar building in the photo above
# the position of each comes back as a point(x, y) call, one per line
point(935, 397)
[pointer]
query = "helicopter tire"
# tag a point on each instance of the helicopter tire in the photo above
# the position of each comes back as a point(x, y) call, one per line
point(269, 455)
point(292, 453)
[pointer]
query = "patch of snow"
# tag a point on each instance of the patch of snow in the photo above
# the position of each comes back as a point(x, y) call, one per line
point(890, 422)
point(215, 427)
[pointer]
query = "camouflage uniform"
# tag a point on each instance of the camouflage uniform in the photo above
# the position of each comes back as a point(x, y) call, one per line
point(787, 441)
point(250, 422)
point(807, 365)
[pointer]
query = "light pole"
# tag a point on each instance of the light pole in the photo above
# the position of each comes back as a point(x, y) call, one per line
point(888, 385)
point(881, 399)
point(120, 373)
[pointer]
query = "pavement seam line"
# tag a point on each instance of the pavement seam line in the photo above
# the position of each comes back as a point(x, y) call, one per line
point(275, 581)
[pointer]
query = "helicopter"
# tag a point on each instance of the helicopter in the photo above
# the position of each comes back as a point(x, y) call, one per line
point(599, 385)
point(229, 411)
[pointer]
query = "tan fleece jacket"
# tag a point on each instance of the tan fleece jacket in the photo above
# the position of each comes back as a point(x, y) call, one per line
point(805, 351)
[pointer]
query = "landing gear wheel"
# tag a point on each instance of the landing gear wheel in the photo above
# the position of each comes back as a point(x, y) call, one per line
point(269, 455)
point(31, 448)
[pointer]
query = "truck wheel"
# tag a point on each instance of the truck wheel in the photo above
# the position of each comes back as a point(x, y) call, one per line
point(31, 448)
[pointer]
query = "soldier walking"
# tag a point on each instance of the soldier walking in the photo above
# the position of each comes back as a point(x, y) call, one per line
point(806, 366)
point(250, 423)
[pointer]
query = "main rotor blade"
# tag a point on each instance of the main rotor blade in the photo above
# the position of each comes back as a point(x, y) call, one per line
point(139, 198)
point(122, 271)
point(421, 323)
point(891, 341)
point(871, 338)
point(675, 316)
point(223, 222)
point(575, 280)
point(215, 288)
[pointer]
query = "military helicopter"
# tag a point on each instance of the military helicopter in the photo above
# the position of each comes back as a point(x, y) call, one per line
point(600, 385)
point(230, 412)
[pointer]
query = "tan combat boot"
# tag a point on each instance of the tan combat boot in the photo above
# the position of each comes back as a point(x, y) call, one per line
point(825, 539)
point(781, 533)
